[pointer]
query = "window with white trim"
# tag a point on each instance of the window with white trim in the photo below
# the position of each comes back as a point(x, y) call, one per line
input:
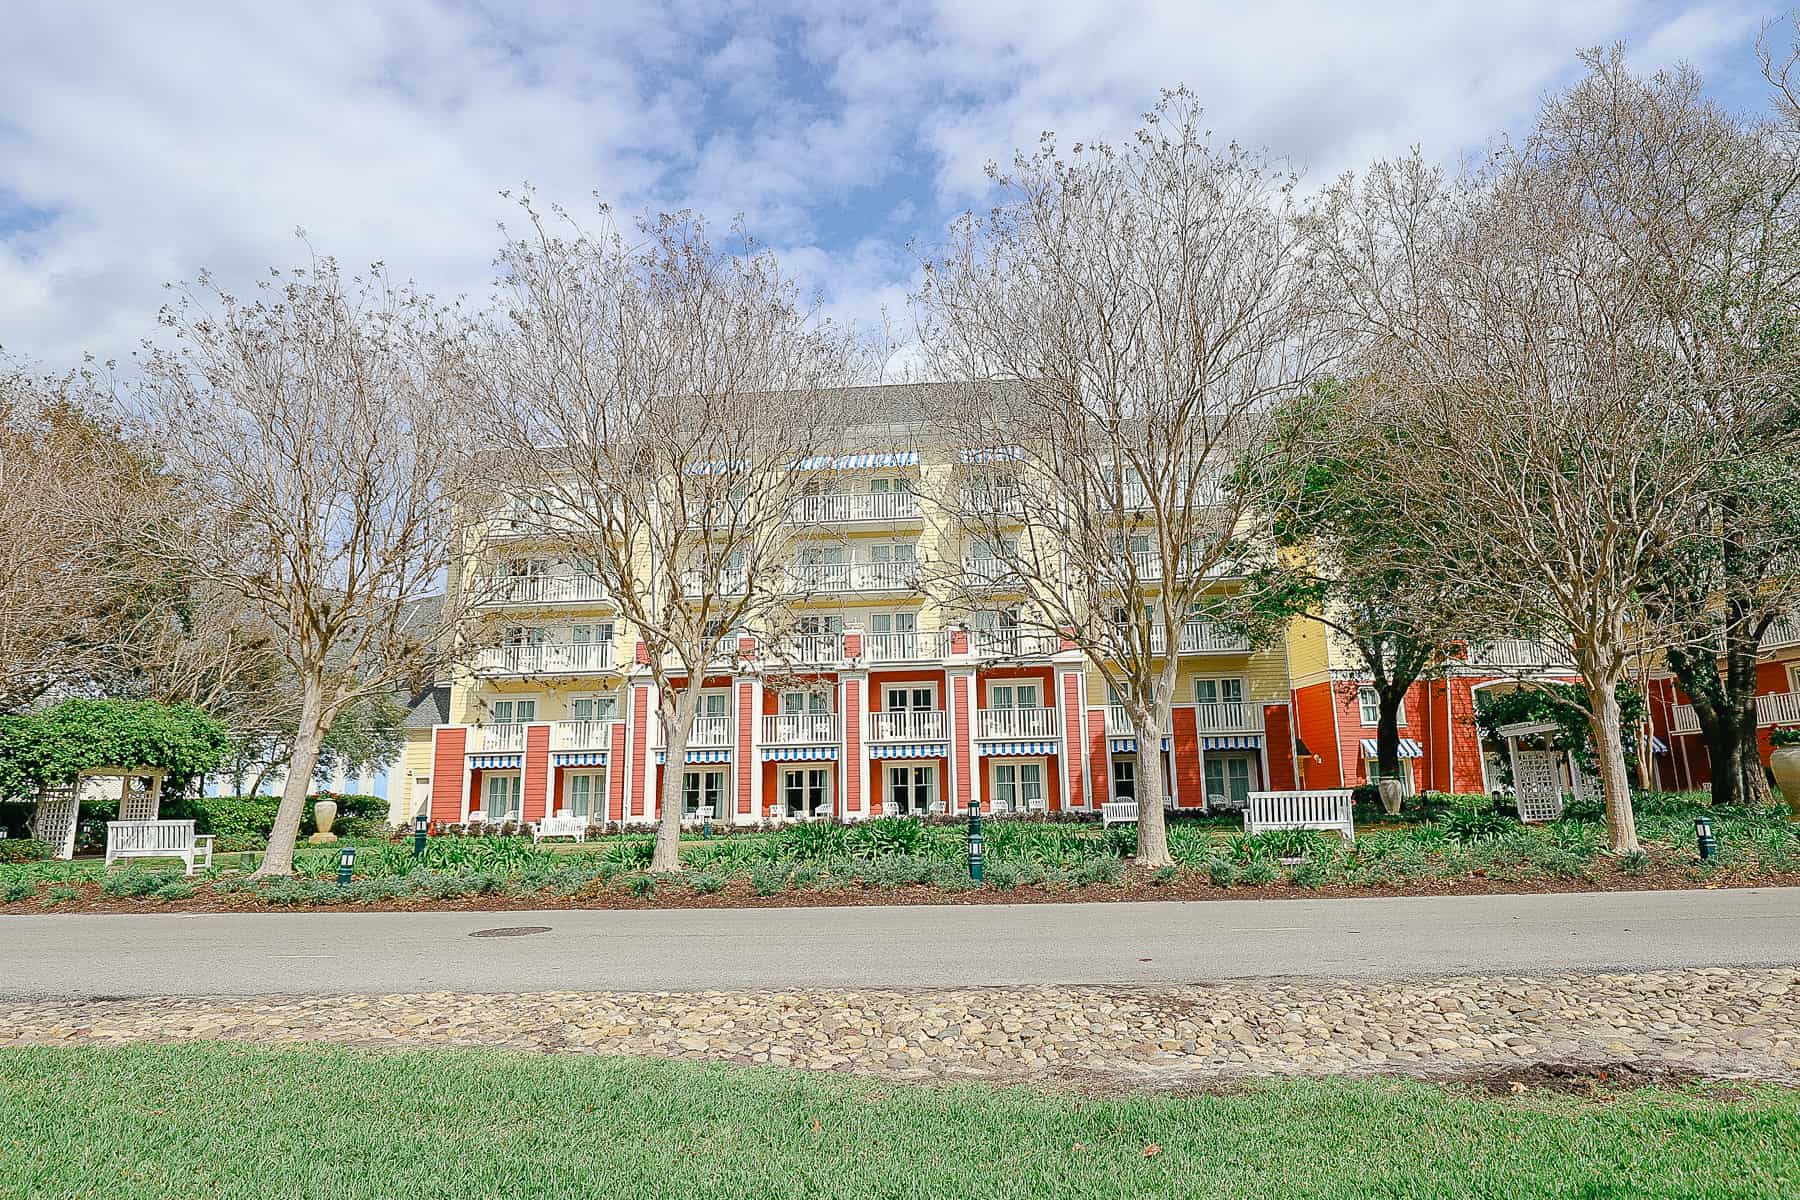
point(1369, 701)
point(1018, 786)
point(703, 790)
point(584, 794)
point(806, 791)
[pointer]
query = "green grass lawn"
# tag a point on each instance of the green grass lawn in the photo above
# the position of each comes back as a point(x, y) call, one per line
point(206, 1120)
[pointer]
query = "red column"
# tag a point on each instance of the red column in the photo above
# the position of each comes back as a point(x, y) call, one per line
point(1099, 759)
point(534, 790)
point(853, 740)
point(1190, 783)
point(449, 744)
point(615, 772)
point(1281, 747)
point(746, 713)
point(1072, 703)
point(640, 746)
point(961, 720)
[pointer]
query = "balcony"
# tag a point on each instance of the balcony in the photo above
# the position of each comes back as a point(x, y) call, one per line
point(993, 501)
point(1202, 637)
point(992, 572)
point(907, 725)
point(834, 578)
point(1013, 643)
point(850, 508)
point(727, 583)
point(1775, 708)
point(1515, 653)
point(582, 735)
point(546, 658)
point(705, 733)
point(1017, 723)
point(1213, 716)
point(1783, 631)
point(492, 738)
point(913, 645)
point(811, 649)
point(803, 729)
point(519, 590)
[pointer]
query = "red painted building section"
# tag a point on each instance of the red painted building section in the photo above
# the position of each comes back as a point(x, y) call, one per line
point(615, 773)
point(1071, 711)
point(447, 774)
point(745, 715)
point(1190, 782)
point(534, 789)
point(960, 720)
point(1312, 713)
point(640, 743)
point(853, 734)
point(1099, 761)
point(1281, 747)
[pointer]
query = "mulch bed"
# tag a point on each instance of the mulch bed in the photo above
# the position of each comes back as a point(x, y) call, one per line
point(739, 894)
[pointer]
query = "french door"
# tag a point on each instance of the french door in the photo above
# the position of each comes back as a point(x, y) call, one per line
point(805, 791)
point(703, 790)
point(911, 788)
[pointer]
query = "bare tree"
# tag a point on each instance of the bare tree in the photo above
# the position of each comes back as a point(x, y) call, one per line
point(313, 471)
point(1141, 305)
point(1542, 458)
point(68, 575)
point(661, 402)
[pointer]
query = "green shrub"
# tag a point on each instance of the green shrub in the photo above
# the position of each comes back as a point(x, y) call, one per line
point(705, 883)
point(951, 876)
point(1469, 822)
point(1099, 870)
point(24, 850)
point(1000, 876)
point(631, 853)
point(1056, 879)
point(62, 895)
point(809, 841)
point(1307, 874)
point(15, 889)
point(1634, 862)
point(1222, 872)
point(1258, 871)
point(1165, 875)
point(641, 884)
point(885, 837)
point(770, 878)
point(133, 882)
point(176, 889)
point(808, 875)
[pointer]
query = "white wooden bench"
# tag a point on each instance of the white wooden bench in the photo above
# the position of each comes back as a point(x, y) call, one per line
point(1300, 810)
point(561, 825)
point(1118, 812)
point(158, 839)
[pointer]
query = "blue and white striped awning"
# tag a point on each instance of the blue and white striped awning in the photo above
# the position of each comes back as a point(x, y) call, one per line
point(1231, 741)
point(972, 457)
point(799, 753)
point(495, 762)
point(1408, 748)
point(1657, 745)
point(579, 758)
point(698, 756)
point(1018, 749)
point(859, 462)
point(909, 750)
point(1128, 745)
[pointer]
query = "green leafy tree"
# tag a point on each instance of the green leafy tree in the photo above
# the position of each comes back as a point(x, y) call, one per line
point(50, 748)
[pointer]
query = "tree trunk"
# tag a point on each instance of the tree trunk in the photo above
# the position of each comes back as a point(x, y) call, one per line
point(676, 712)
point(1153, 831)
point(1621, 821)
point(278, 859)
point(1387, 733)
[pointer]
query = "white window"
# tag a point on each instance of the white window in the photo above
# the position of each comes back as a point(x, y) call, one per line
point(584, 794)
point(1228, 690)
point(510, 712)
point(896, 552)
point(1124, 779)
point(1013, 695)
point(916, 697)
point(1228, 780)
point(591, 634)
point(1018, 787)
point(806, 791)
point(795, 704)
point(526, 635)
point(501, 796)
point(703, 789)
point(894, 622)
point(1372, 772)
point(603, 707)
point(911, 789)
point(1369, 701)
point(813, 626)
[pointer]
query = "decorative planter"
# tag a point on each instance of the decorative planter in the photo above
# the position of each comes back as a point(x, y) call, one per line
point(1784, 764)
point(1392, 793)
point(324, 813)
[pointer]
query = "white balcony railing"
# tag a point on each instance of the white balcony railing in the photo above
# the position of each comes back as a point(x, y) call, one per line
point(581, 735)
point(1783, 631)
point(917, 645)
point(542, 589)
point(843, 508)
point(510, 736)
point(1013, 643)
point(1228, 716)
point(546, 658)
point(812, 649)
point(705, 733)
point(979, 570)
point(854, 577)
point(907, 725)
point(1685, 720)
point(1017, 723)
point(1775, 708)
point(1516, 652)
point(1118, 722)
point(802, 729)
point(1202, 637)
point(992, 501)
point(721, 583)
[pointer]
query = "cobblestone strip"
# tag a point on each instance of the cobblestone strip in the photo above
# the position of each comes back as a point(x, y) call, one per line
point(1727, 1023)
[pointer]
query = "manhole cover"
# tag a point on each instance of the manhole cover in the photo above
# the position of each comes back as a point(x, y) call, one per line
point(511, 931)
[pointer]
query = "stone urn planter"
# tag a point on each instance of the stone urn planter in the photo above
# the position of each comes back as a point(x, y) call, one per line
point(1392, 793)
point(1784, 764)
point(324, 813)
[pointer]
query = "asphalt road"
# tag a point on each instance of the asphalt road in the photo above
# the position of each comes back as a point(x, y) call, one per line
point(183, 954)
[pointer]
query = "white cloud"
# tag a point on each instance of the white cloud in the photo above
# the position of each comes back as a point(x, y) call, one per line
point(140, 143)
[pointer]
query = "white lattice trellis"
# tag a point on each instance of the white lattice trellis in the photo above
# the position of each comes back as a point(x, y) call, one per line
point(55, 819)
point(140, 798)
point(1537, 784)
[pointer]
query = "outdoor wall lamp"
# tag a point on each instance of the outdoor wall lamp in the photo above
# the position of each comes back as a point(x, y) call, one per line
point(419, 828)
point(346, 862)
point(1703, 834)
point(977, 853)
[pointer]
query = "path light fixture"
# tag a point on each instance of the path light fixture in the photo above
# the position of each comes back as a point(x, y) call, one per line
point(419, 824)
point(346, 863)
point(977, 853)
point(1703, 834)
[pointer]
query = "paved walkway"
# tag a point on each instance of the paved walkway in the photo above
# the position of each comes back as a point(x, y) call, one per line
point(1734, 1023)
point(75, 956)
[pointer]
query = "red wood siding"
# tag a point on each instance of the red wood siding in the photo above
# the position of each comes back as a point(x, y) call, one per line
point(448, 747)
point(534, 790)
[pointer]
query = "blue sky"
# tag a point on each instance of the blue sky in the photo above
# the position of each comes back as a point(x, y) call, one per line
point(141, 143)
